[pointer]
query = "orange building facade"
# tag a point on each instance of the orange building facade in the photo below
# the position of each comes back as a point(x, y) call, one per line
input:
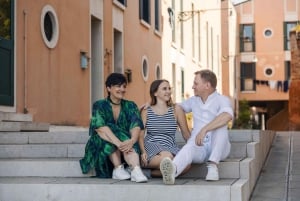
point(264, 58)
point(55, 55)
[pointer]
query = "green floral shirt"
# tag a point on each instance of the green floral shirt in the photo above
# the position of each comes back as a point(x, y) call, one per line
point(97, 150)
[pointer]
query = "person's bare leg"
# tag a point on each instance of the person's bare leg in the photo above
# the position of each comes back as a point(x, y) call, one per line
point(115, 158)
point(154, 163)
point(132, 159)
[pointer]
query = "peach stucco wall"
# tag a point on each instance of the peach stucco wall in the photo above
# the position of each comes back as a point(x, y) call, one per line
point(269, 50)
point(141, 42)
point(50, 83)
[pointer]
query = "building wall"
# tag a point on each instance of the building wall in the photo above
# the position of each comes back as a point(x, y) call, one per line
point(50, 83)
point(229, 49)
point(204, 51)
point(269, 50)
point(52, 86)
point(141, 41)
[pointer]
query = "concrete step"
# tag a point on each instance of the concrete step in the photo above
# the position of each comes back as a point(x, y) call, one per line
point(66, 137)
point(238, 150)
point(23, 126)
point(42, 167)
point(42, 151)
point(94, 189)
point(69, 167)
point(229, 169)
point(82, 137)
point(11, 116)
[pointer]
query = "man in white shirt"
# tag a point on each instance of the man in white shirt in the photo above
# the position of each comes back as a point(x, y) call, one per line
point(209, 141)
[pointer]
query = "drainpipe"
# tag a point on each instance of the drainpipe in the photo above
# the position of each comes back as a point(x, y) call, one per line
point(25, 61)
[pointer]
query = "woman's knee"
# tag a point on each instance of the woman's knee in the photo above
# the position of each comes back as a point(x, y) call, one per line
point(164, 154)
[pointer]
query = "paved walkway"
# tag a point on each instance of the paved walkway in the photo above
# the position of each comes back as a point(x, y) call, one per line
point(280, 177)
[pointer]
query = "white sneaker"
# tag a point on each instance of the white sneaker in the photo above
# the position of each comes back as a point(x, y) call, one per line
point(212, 172)
point(167, 169)
point(120, 173)
point(137, 175)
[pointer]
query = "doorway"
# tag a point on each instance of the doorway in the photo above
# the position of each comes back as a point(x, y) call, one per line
point(7, 53)
point(97, 88)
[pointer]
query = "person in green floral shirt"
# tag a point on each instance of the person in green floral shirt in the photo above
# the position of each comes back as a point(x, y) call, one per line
point(114, 131)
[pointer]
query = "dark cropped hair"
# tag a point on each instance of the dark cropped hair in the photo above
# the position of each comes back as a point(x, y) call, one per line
point(208, 76)
point(115, 79)
point(153, 89)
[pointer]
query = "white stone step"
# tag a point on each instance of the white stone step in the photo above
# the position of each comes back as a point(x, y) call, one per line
point(69, 167)
point(10, 116)
point(56, 167)
point(42, 150)
point(229, 169)
point(94, 189)
point(66, 137)
point(238, 150)
point(82, 136)
point(23, 126)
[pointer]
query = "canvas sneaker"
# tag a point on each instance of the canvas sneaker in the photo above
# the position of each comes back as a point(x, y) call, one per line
point(167, 169)
point(137, 175)
point(212, 172)
point(120, 173)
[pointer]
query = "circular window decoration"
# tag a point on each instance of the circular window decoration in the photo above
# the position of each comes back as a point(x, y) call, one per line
point(157, 72)
point(49, 26)
point(268, 33)
point(269, 71)
point(145, 68)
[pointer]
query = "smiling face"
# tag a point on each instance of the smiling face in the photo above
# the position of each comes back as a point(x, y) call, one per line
point(116, 86)
point(199, 86)
point(160, 90)
point(117, 92)
point(163, 91)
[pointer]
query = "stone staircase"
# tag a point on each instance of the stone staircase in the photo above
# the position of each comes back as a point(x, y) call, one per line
point(37, 166)
point(20, 122)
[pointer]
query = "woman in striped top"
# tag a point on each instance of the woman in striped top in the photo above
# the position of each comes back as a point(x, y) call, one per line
point(161, 119)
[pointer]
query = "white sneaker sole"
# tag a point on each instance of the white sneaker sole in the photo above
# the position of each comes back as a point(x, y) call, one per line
point(118, 178)
point(167, 170)
point(139, 181)
point(212, 179)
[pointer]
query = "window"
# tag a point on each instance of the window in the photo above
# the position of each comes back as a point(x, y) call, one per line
point(158, 72)
point(156, 14)
point(268, 33)
point(287, 28)
point(181, 27)
point(145, 10)
point(123, 2)
point(182, 84)
point(199, 38)
point(248, 77)
point(269, 72)
point(145, 68)
point(287, 70)
point(193, 32)
point(173, 28)
point(247, 39)
point(5, 20)
point(49, 26)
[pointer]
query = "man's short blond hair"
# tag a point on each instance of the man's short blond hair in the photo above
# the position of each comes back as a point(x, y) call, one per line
point(208, 76)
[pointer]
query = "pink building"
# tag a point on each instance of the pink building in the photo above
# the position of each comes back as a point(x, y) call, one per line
point(55, 55)
point(263, 61)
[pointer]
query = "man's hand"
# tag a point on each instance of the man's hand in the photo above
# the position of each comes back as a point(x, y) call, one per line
point(200, 137)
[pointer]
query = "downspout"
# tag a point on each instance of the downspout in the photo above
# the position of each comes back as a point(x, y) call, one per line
point(25, 61)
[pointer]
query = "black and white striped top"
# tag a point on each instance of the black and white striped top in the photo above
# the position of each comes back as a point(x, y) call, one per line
point(160, 134)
